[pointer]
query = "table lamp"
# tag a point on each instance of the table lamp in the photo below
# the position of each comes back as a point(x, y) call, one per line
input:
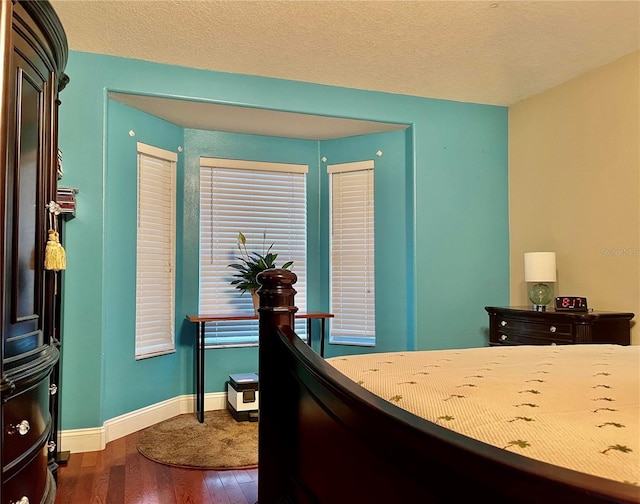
point(540, 271)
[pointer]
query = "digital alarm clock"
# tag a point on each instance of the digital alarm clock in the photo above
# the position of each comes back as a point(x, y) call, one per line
point(571, 303)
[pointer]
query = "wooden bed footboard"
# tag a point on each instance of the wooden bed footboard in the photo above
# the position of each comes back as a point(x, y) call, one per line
point(324, 439)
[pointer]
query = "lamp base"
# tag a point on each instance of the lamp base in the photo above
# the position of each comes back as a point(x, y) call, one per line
point(540, 295)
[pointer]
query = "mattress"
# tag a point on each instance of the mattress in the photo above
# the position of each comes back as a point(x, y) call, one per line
point(575, 406)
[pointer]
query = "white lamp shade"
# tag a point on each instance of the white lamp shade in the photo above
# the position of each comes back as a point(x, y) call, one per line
point(540, 266)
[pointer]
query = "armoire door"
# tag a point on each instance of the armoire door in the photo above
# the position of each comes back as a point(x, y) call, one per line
point(28, 189)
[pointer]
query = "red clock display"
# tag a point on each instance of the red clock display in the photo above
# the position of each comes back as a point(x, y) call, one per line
point(571, 303)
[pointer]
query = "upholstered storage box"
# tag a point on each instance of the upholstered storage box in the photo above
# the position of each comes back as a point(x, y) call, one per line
point(242, 396)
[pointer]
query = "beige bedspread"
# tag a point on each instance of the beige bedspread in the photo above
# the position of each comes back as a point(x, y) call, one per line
point(576, 406)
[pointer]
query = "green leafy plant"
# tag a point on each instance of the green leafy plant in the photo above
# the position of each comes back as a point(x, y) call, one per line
point(252, 263)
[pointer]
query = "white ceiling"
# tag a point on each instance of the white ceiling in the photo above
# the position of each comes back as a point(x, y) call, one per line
point(493, 52)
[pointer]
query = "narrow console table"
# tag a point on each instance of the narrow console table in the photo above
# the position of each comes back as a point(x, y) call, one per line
point(201, 320)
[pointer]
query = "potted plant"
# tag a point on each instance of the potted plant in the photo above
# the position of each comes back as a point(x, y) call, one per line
point(252, 263)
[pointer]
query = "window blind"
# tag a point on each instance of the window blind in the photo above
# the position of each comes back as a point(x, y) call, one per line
point(352, 253)
point(155, 252)
point(267, 203)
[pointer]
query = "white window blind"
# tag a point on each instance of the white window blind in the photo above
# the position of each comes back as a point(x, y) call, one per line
point(155, 252)
point(352, 253)
point(257, 199)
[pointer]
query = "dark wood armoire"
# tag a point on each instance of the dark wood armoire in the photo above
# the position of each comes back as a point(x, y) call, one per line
point(34, 53)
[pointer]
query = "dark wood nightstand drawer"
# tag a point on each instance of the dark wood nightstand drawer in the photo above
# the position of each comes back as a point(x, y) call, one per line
point(531, 339)
point(540, 329)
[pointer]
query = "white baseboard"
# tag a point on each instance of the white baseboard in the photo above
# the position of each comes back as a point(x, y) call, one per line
point(96, 438)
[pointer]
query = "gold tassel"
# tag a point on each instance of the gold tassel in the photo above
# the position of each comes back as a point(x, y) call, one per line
point(55, 258)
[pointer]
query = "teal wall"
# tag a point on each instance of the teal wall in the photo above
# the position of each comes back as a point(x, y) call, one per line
point(119, 263)
point(461, 223)
point(442, 257)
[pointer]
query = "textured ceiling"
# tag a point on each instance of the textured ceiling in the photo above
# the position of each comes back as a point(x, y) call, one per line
point(492, 52)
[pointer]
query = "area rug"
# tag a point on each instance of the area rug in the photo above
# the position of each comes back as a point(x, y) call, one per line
point(219, 443)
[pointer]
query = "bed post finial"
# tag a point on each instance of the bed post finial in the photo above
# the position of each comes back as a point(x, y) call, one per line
point(277, 294)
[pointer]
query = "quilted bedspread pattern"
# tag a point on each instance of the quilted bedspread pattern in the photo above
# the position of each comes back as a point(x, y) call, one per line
point(575, 406)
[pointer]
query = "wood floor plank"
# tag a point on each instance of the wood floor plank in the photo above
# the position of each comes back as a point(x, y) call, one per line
point(100, 483)
point(231, 486)
point(150, 489)
point(190, 487)
point(88, 458)
point(71, 471)
point(165, 483)
point(216, 488)
point(133, 473)
point(117, 450)
point(242, 476)
point(82, 490)
point(247, 483)
point(115, 493)
point(79, 476)
point(250, 492)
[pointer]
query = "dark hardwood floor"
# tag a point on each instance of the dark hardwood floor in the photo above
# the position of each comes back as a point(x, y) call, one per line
point(120, 475)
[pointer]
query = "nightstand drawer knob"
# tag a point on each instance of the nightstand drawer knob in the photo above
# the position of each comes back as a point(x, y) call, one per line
point(503, 323)
point(553, 328)
point(503, 337)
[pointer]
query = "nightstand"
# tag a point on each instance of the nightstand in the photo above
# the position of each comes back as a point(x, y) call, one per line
point(525, 326)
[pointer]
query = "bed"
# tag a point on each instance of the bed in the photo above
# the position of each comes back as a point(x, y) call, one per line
point(336, 431)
